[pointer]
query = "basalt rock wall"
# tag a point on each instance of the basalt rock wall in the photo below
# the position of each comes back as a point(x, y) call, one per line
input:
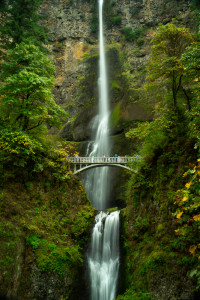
point(74, 43)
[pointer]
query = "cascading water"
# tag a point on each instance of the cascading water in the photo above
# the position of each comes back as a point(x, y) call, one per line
point(97, 183)
point(103, 257)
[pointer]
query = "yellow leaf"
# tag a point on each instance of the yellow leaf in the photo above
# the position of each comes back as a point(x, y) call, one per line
point(179, 215)
point(180, 231)
point(185, 198)
point(196, 218)
point(188, 185)
point(192, 249)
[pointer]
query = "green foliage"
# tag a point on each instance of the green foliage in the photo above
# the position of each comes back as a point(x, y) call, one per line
point(3, 5)
point(51, 257)
point(21, 152)
point(168, 45)
point(187, 214)
point(115, 84)
point(82, 221)
point(191, 60)
point(33, 240)
point(167, 144)
point(196, 274)
point(45, 219)
point(132, 35)
point(113, 3)
point(27, 110)
point(16, 143)
point(135, 11)
point(153, 263)
point(131, 294)
point(94, 24)
point(195, 4)
point(22, 23)
point(140, 42)
point(26, 93)
point(114, 117)
point(153, 134)
point(141, 224)
point(116, 20)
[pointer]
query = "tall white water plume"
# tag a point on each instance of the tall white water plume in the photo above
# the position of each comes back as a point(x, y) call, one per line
point(97, 181)
point(103, 257)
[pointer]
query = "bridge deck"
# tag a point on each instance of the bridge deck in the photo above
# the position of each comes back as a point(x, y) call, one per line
point(81, 164)
point(100, 160)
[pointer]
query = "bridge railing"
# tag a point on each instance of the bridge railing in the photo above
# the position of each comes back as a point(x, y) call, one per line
point(109, 160)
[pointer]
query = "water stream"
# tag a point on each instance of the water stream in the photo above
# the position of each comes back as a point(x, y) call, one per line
point(103, 257)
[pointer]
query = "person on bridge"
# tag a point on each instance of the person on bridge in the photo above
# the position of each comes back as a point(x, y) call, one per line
point(77, 158)
point(116, 157)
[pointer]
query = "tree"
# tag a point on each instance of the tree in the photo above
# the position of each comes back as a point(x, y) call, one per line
point(169, 43)
point(22, 23)
point(191, 62)
point(26, 94)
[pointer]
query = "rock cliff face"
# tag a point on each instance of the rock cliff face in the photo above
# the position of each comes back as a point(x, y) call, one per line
point(74, 42)
point(43, 233)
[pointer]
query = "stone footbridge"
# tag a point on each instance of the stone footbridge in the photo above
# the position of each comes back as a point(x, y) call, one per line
point(81, 164)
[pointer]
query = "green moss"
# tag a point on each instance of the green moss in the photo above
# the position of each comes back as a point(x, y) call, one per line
point(115, 115)
point(115, 84)
point(160, 228)
point(132, 35)
point(112, 209)
point(88, 57)
point(152, 248)
point(10, 243)
point(132, 294)
point(116, 20)
point(82, 221)
point(94, 24)
point(57, 258)
point(46, 223)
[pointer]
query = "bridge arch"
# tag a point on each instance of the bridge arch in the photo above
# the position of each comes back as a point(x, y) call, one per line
point(102, 165)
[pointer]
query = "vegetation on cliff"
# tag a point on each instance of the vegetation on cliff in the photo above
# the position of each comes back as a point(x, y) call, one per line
point(21, 23)
point(162, 220)
point(45, 216)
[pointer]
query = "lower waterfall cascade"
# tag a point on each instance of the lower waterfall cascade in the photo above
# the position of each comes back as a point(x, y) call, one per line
point(103, 260)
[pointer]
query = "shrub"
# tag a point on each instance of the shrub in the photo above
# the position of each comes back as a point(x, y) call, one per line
point(195, 4)
point(132, 35)
point(116, 20)
point(131, 294)
point(33, 240)
point(94, 23)
point(135, 11)
point(140, 42)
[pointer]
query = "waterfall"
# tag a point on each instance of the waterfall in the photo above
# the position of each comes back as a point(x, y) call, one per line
point(103, 257)
point(97, 180)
